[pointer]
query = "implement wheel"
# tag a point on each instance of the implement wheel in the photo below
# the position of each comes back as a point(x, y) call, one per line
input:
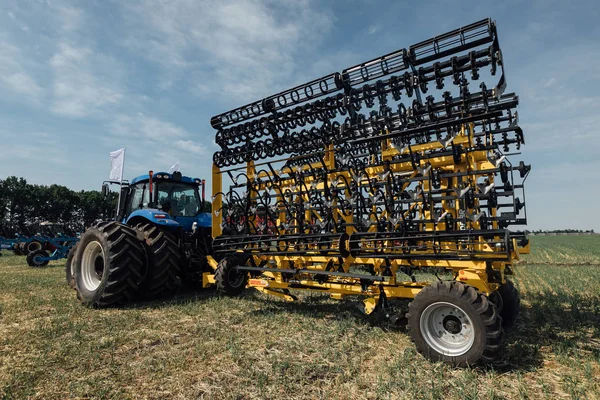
point(229, 280)
point(70, 266)
point(35, 259)
point(453, 323)
point(33, 246)
point(109, 265)
point(511, 303)
point(162, 253)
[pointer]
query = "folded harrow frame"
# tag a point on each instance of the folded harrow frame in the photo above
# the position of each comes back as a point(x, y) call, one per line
point(351, 183)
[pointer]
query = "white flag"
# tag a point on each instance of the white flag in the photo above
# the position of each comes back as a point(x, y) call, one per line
point(174, 168)
point(117, 161)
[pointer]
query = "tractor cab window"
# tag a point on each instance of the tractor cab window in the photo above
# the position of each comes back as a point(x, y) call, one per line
point(138, 198)
point(179, 200)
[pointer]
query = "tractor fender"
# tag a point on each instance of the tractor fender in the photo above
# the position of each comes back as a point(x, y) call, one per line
point(154, 216)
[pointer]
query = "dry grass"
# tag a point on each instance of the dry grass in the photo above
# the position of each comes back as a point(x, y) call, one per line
point(257, 347)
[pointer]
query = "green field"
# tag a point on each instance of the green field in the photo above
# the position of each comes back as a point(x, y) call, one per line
point(256, 347)
point(564, 250)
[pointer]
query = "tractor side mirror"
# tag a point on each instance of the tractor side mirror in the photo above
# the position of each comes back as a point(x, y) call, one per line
point(105, 191)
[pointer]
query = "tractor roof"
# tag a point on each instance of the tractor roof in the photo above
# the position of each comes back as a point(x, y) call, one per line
point(164, 176)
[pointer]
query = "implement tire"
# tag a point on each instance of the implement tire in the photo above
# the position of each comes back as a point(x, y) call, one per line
point(34, 259)
point(32, 246)
point(163, 260)
point(228, 279)
point(109, 265)
point(70, 267)
point(453, 323)
point(511, 303)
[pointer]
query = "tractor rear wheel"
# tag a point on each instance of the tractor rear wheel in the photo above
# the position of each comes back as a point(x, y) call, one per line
point(228, 279)
point(453, 323)
point(33, 246)
point(70, 266)
point(163, 260)
point(109, 265)
point(35, 258)
point(511, 303)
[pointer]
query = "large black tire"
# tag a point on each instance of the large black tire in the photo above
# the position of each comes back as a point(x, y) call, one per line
point(34, 258)
point(163, 260)
point(228, 279)
point(70, 266)
point(453, 323)
point(511, 303)
point(109, 265)
point(32, 246)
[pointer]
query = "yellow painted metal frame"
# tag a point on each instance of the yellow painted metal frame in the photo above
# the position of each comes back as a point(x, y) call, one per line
point(470, 272)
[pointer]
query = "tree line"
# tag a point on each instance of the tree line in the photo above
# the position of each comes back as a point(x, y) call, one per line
point(23, 205)
point(563, 231)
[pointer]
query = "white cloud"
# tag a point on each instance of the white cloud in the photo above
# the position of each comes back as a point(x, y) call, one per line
point(140, 126)
point(71, 18)
point(40, 148)
point(190, 146)
point(14, 73)
point(240, 50)
point(156, 144)
point(79, 87)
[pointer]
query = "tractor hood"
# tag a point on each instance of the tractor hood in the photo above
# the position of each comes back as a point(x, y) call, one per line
point(162, 218)
point(153, 215)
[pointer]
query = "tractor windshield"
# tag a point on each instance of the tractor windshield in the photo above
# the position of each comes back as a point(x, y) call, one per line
point(178, 199)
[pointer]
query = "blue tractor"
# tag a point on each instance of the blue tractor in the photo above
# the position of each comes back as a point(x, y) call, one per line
point(159, 238)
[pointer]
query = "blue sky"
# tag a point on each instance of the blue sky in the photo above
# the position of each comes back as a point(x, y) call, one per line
point(81, 78)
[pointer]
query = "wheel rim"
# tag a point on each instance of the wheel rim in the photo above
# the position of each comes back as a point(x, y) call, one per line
point(37, 260)
point(72, 268)
point(92, 265)
point(447, 329)
point(33, 246)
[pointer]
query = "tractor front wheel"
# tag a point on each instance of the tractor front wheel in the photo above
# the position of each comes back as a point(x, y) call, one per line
point(108, 265)
point(229, 280)
point(36, 258)
point(455, 324)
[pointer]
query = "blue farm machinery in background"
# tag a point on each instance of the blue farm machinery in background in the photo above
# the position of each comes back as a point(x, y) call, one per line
point(159, 237)
point(40, 243)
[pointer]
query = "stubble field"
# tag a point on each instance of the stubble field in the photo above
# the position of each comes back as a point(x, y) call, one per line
point(198, 345)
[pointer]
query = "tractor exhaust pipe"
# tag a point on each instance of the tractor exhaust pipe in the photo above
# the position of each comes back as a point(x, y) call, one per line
point(151, 174)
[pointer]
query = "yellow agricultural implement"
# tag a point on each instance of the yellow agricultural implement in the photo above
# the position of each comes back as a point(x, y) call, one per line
point(357, 184)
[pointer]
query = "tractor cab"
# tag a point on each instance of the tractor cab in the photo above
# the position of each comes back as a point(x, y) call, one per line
point(169, 200)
